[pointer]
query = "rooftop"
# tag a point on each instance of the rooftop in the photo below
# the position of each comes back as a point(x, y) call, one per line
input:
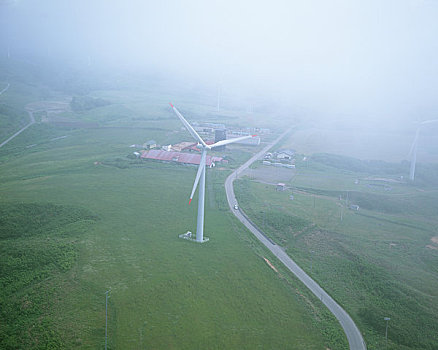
point(186, 158)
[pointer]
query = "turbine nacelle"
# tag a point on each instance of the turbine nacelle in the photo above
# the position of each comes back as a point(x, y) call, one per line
point(201, 147)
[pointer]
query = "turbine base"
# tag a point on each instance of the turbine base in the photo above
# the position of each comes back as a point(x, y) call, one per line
point(191, 237)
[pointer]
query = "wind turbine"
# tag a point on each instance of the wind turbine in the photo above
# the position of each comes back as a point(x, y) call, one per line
point(413, 151)
point(200, 175)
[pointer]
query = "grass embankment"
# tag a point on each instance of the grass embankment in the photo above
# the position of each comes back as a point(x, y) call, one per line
point(165, 292)
point(376, 262)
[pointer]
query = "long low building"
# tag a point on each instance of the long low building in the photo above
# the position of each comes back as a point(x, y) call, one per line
point(186, 158)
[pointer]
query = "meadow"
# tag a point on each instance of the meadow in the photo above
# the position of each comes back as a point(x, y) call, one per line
point(79, 217)
point(380, 261)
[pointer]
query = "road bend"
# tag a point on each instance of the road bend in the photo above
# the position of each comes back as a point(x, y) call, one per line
point(32, 121)
point(353, 334)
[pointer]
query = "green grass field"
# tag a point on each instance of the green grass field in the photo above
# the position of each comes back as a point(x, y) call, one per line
point(377, 262)
point(79, 218)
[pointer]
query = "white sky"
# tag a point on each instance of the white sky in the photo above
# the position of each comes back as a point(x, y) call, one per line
point(376, 57)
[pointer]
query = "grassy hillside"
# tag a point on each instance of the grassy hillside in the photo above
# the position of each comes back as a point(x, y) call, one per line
point(79, 217)
point(11, 120)
point(380, 261)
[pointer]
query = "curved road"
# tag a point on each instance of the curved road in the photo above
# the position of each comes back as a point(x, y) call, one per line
point(352, 332)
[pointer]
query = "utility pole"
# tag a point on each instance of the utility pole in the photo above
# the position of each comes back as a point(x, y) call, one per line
point(106, 317)
point(386, 332)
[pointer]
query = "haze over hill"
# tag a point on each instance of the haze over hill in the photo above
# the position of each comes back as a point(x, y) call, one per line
point(349, 59)
point(84, 93)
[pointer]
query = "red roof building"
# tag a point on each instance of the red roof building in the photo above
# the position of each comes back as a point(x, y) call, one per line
point(186, 158)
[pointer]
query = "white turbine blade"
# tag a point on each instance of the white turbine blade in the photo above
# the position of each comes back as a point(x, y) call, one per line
point(198, 174)
point(226, 142)
point(188, 126)
point(429, 121)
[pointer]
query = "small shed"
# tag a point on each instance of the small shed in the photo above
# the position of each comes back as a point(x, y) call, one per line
point(280, 186)
point(285, 154)
point(150, 144)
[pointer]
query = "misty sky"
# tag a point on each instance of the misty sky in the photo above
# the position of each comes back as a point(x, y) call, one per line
point(376, 57)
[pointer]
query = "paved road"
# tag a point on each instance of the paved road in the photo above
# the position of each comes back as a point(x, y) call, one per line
point(352, 332)
point(32, 121)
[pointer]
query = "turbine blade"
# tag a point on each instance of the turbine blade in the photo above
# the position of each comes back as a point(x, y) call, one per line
point(226, 142)
point(429, 121)
point(198, 174)
point(188, 126)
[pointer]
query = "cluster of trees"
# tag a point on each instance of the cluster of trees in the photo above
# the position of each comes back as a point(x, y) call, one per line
point(85, 103)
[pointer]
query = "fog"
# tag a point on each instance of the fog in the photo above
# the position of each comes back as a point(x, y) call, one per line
point(375, 59)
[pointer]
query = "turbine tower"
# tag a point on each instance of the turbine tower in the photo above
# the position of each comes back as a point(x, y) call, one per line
point(200, 175)
point(413, 151)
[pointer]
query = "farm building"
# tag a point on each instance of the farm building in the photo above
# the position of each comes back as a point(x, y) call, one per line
point(183, 146)
point(150, 144)
point(280, 186)
point(354, 207)
point(285, 154)
point(185, 158)
point(219, 135)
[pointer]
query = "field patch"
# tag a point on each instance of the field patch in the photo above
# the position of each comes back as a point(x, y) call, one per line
point(38, 243)
point(377, 261)
point(11, 120)
point(29, 219)
point(270, 174)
